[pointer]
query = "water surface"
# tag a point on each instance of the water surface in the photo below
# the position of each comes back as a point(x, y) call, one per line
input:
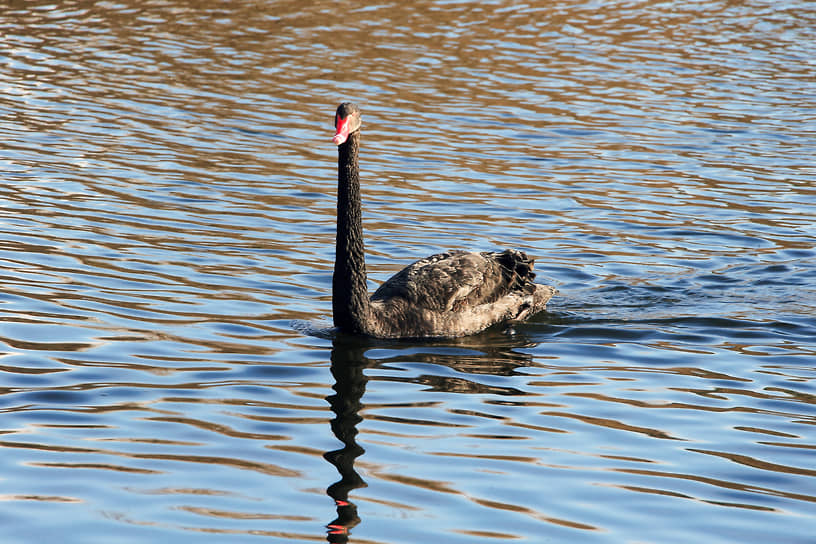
point(167, 245)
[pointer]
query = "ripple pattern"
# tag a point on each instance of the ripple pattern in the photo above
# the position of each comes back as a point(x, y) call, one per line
point(166, 249)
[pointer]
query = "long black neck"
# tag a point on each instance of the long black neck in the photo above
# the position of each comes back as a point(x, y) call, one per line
point(349, 290)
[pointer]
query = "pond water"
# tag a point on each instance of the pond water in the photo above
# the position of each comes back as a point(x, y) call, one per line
point(167, 243)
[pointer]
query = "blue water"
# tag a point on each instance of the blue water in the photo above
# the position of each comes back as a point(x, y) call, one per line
point(167, 243)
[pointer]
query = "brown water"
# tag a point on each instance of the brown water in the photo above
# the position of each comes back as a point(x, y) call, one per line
point(167, 245)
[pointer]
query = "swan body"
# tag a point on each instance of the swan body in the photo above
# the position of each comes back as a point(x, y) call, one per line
point(450, 294)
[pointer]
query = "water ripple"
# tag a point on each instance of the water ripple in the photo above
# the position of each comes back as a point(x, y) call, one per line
point(166, 247)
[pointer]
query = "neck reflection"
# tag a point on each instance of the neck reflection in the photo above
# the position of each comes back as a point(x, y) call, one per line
point(347, 364)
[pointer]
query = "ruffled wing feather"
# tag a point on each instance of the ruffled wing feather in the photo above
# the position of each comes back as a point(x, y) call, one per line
point(456, 280)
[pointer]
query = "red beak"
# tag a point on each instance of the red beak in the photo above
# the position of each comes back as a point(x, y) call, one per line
point(342, 133)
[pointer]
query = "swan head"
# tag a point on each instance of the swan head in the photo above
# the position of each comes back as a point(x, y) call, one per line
point(346, 121)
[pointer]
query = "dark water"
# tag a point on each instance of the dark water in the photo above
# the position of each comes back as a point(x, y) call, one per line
point(167, 245)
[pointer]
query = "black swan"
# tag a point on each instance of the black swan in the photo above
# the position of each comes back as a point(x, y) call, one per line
point(446, 295)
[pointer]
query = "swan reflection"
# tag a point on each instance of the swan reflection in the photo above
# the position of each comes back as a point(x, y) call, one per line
point(496, 354)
